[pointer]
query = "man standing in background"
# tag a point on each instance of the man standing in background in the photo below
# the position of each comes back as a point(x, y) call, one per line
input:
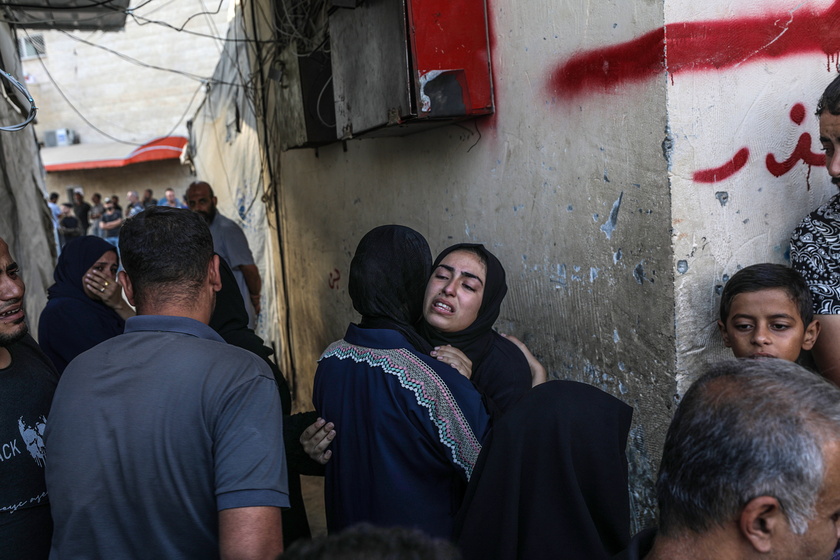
point(134, 204)
point(96, 211)
point(230, 243)
point(169, 199)
point(149, 199)
point(81, 209)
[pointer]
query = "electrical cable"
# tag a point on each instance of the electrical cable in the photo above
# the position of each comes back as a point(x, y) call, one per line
point(33, 110)
point(131, 11)
point(318, 103)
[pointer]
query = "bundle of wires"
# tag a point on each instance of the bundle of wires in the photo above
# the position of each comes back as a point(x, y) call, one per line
point(33, 110)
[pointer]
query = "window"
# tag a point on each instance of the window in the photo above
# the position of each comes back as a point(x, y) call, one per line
point(31, 46)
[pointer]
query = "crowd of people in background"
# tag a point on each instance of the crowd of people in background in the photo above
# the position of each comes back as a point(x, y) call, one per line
point(99, 217)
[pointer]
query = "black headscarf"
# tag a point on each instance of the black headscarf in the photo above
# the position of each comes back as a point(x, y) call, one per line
point(388, 277)
point(500, 370)
point(559, 491)
point(475, 340)
point(72, 322)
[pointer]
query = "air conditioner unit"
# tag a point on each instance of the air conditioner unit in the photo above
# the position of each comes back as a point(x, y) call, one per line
point(60, 137)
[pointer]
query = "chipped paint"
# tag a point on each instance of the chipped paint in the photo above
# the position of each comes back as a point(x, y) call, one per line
point(559, 277)
point(723, 197)
point(609, 226)
point(639, 273)
point(616, 338)
point(617, 256)
point(682, 266)
point(425, 101)
point(668, 148)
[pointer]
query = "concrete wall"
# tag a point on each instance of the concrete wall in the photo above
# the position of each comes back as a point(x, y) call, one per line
point(741, 98)
point(569, 189)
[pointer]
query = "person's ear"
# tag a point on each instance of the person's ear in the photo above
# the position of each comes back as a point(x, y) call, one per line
point(724, 334)
point(812, 332)
point(213, 274)
point(762, 520)
point(128, 288)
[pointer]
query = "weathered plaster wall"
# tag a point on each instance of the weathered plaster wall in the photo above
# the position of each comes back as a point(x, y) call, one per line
point(743, 105)
point(569, 188)
point(226, 151)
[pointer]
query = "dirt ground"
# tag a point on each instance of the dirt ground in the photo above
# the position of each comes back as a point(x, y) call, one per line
point(313, 496)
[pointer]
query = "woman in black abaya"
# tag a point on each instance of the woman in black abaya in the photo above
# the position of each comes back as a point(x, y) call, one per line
point(85, 305)
point(551, 480)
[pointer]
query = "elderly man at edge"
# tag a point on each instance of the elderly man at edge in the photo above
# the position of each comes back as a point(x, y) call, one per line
point(168, 443)
point(750, 469)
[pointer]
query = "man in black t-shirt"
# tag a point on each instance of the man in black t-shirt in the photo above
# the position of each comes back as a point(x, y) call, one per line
point(27, 383)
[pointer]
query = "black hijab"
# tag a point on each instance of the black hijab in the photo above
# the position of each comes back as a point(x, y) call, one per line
point(556, 492)
point(72, 322)
point(475, 340)
point(388, 277)
point(500, 370)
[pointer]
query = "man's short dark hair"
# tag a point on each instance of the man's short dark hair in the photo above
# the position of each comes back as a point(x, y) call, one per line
point(373, 543)
point(745, 429)
point(830, 99)
point(53, 196)
point(766, 276)
point(165, 252)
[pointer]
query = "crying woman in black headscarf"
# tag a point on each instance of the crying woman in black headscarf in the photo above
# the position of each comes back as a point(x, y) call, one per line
point(463, 299)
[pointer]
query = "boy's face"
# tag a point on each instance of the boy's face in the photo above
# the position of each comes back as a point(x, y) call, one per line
point(767, 324)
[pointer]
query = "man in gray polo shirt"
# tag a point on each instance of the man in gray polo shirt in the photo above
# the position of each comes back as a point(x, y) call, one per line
point(165, 442)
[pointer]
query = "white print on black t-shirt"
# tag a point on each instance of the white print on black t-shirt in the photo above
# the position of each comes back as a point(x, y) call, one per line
point(14, 507)
point(9, 450)
point(34, 439)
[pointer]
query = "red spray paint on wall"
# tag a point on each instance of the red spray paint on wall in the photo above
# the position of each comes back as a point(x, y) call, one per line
point(726, 170)
point(700, 46)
